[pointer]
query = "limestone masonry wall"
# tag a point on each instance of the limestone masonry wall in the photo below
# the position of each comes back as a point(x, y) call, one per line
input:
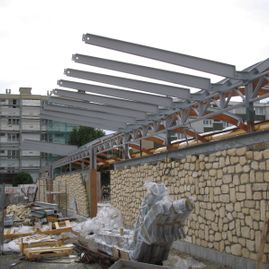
point(230, 188)
point(75, 188)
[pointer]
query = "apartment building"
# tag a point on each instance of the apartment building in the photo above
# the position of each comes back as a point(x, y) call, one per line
point(19, 120)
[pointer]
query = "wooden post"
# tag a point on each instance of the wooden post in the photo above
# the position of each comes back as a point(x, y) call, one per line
point(262, 245)
point(93, 193)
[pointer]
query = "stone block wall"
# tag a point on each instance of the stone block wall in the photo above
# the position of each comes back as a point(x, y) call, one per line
point(42, 188)
point(230, 188)
point(71, 189)
point(74, 195)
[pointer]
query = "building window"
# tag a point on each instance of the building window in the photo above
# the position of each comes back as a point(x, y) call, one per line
point(13, 137)
point(2, 134)
point(44, 137)
point(12, 154)
point(13, 121)
point(207, 122)
point(2, 100)
point(260, 110)
point(2, 152)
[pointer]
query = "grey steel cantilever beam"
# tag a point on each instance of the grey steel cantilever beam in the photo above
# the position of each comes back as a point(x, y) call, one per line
point(89, 114)
point(98, 123)
point(77, 122)
point(99, 108)
point(145, 71)
point(107, 100)
point(129, 95)
point(145, 86)
point(213, 67)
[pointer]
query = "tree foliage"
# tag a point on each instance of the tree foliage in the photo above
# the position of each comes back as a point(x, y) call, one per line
point(22, 178)
point(83, 135)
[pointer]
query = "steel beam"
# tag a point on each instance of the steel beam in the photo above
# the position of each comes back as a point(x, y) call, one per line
point(77, 120)
point(100, 108)
point(213, 67)
point(86, 118)
point(106, 100)
point(145, 86)
point(129, 95)
point(144, 71)
point(52, 148)
point(90, 114)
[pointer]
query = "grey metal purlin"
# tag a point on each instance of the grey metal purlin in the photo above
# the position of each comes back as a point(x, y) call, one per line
point(76, 121)
point(144, 71)
point(213, 67)
point(108, 91)
point(98, 107)
point(2, 215)
point(182, 93)
point(53, 148)
point(103, 122)
point(106, 100)
point(78, 111)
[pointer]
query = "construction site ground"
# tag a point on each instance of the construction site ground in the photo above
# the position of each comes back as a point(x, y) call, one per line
point(15, 261)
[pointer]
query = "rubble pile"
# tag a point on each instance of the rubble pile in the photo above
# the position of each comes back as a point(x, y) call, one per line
point(19, 212)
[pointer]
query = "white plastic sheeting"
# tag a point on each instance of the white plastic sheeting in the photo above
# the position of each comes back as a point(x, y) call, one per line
point(160, 222)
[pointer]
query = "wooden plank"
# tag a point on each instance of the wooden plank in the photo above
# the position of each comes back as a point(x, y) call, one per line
point(262, 245)
point(12, 236)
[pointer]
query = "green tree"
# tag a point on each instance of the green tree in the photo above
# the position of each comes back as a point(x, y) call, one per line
point(22, 178)
point(83, 135)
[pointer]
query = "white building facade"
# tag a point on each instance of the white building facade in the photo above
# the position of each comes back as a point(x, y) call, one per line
point(19, 120)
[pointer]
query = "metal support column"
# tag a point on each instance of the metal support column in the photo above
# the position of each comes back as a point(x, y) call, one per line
point(250, 112)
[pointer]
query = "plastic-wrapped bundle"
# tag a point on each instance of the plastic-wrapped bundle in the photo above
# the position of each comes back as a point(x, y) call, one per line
point(160, 223)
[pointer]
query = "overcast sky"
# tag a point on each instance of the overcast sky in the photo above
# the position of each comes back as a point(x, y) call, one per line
point(38, 37)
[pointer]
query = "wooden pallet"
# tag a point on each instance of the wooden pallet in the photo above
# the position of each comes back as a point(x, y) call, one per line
point(10, 234)
point(37, 253)
point(36, 241)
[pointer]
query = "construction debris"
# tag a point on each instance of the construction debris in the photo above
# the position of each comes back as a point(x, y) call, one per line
point(102, 239)
point(19, 213)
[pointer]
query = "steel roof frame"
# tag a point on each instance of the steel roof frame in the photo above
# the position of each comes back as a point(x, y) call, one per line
point(167, 90)
point(63, 117)
point(99, 108)
point(145, 71)
point(212, 101)
point(116, 92)
point(106, 100)
point(213, 67)
point(52, 148)
point(89, 114)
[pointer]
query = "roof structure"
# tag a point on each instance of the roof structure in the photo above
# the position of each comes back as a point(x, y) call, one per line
point(139, 109)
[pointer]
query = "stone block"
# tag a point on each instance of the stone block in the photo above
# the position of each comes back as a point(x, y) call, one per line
point(224, 188)
point(257, 155)
point(266, 154)
point(236, 249)
point(240, 196)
